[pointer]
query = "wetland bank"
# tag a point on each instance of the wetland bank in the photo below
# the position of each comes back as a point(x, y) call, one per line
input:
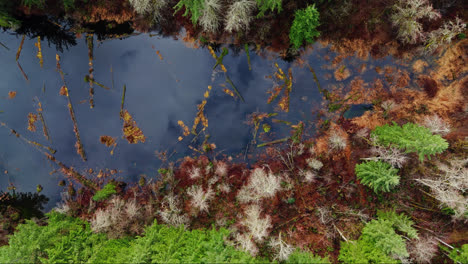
point(233, 131)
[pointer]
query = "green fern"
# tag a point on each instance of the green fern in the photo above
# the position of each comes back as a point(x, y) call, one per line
point(304, 27)
point(33, 3)
point(411, 138)
point(378, 175)
point(378, 243)
point(68, 4)
point(70, 240)
point(192, 7)
point(265, 5)
point(460, 255)
point(306, 257)
point(401, 222)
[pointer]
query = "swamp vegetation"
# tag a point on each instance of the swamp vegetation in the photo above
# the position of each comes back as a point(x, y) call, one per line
point(234, 131)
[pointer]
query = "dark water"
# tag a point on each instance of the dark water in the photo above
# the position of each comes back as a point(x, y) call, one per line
point(159, 93)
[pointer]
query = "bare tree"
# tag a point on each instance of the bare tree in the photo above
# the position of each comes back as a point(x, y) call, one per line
point(450, 186)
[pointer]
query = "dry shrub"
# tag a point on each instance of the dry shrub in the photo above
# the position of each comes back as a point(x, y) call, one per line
point(450, 186)
point(171, 212)
point(260, 185)
point(121, 218)
point(110, 12)
point(423, 249)
point(200, 198)
point(257, 227)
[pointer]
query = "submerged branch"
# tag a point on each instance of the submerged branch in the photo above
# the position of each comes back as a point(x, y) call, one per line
point(64, 91)
point(3, 45)
point(21, 69)
point(273, 142)
point(20, 48)
point(123, 100)
point(41, 117)
point(112, 77)
point(246, 47)
point(228, 80)
point(72, 173)
point(34, 143)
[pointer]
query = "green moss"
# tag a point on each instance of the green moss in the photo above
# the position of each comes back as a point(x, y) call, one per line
point(105, 192)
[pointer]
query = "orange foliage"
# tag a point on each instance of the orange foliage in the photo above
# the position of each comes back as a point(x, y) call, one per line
point(63, 90)
point(342, 73)
point(110, 11)
point(131, 131)
point(229, 92)
point(39, 51)
point(280, 77)
point(184, 127)
point(107, 140)
point(32, 119)
point(11, 94)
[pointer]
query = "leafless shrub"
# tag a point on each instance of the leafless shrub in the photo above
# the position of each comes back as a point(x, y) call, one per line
point(388, 105)
point(195, 173)
point(131, 208)
point(260, 185)
point(336, 141)
point(324, 215)
point(406, 16)
point(300, 149)
point(436, 125)
point(213, 180)
point(101, 221)
point(314, 164)
point(62, 208)
point(171, 212)
point(312, 150)
point(444, 35)
point(281, 248)
point(199, 197)
point(245, 243)
point(224, 187)
point(221, 169)
point(150, 7)
point(210, 18)
point(142, 6)
point(391, 155)
point(258, 227)
point(362, 133)
point(239, 15)
point(308, 176)
point(423, 250)
point(105, 219)
point(450, 187)
point(158, 7)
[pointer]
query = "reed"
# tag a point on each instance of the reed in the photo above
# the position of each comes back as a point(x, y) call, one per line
point(39, 51)
point(41, 118)
point(89, 40)
point(20, 48)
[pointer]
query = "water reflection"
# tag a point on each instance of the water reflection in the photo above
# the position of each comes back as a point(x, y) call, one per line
point(160, 91)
